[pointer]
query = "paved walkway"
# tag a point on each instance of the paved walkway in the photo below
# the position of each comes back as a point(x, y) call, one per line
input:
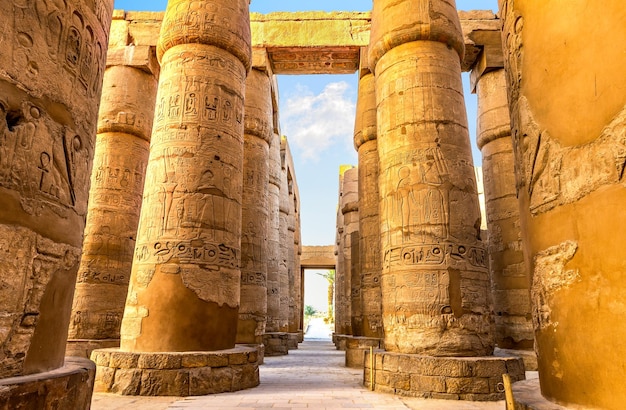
point(313, 377)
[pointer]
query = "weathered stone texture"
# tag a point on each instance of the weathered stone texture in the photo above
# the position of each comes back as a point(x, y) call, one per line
point(187, 258)
point(365, 132)
point(273, 239)
point(286, 245)
point(176, 374)
point(355, 349)
point(69, 387)
point(51, 70)
point(568, 127)
point(435, 283)
point(349, 207)
point(121, 156)
point(258, 132)
point(343, 277)
point(450, 378)
point(509, 275)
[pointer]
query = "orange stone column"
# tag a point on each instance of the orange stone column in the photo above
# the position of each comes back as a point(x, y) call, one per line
point(187, 257)
point(509, 274)
point(568, 116)
point(436, 292)
point(258, 132)
point(435, 281)
point(121, 156)
point(51, 68)
point(285, 244)
point(367, 296)
point(273, 263)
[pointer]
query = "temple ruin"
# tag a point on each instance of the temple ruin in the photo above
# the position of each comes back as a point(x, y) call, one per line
point(150, 224)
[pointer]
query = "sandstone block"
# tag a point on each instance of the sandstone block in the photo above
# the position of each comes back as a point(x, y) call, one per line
point(127, 382)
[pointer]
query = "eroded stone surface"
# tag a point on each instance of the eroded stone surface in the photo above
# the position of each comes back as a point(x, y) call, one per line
point(435, 283)
point(176, 374)
point(509, 273)
point(365, 132)
point(450, 378)
point(187, 258)
point(273, 243)
point(568, 138)
point(51, 72)
point(258, 132)
point(121, 156)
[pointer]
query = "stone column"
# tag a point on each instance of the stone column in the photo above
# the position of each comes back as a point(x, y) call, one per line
point(51, 69)
point(509, 275)
point(275, 339)
point(121, 156)
point(369, 223)
point(350, 211)
point(568, 116)
point(291, 260)
point(285, 245)
point(297, 269)
point(258, 132)
point(435, 283)
point(343, 322)
point(188, 244)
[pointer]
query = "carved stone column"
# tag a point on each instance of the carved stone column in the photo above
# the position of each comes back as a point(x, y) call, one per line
point(184, 289)
point(121, 156)
point(258, 132)
point(349, 207)
point(435, 282)
point(365, 133)
point(285, 244)
point(568, 116)
point(51, 68)
point(509, 274)
point(343, 321)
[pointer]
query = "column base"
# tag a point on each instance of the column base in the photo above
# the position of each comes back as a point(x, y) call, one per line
point(340, 341)
point(84, 347)
point(527, 395)
point(293, 340)
point(529, 357)
point(276, 343)
point(450, 378)
point(69, 387)
point(176, 373)
point(356, 347)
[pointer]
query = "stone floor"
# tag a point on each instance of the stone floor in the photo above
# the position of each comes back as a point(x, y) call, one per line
point(314, 377)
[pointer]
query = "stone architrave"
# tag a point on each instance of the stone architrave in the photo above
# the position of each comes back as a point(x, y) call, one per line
point(51, 69)
point(185, 282)
point(258, 132)
point(435, 283)
point(350, 248)
point(365, 142)
point(568, 115)
point(273, 238)
point(121, 156)
point(509, 275)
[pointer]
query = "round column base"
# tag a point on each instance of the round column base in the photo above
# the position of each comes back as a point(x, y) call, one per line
point(356, 347)
point(529, 357)
point(276, 343)
point(451, 378)
point(293, 340)
point(527, 395)
point(69, 387)
point(175, 373)
point(340, 341)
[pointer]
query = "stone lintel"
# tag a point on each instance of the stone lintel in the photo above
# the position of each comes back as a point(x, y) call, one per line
point(451, 378)
point(527, 395)
point(176, 373)
point(69, 387)
point(318, 257)
point(141, 57)
point(310, 42)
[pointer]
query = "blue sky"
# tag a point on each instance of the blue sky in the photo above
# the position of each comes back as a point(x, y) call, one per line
point(320, 136)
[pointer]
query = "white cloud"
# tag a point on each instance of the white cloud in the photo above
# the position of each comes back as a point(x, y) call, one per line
point(316, 123)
